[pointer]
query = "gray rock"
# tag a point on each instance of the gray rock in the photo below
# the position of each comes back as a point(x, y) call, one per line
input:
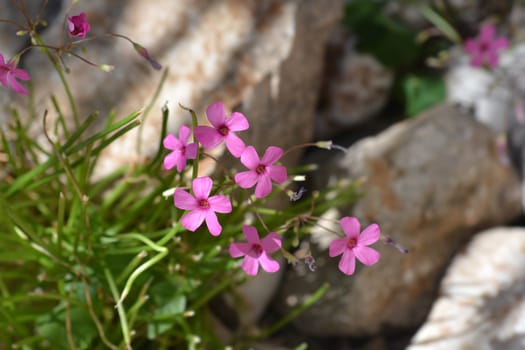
point(263, 58)
point(482, 297)
point(430, 183)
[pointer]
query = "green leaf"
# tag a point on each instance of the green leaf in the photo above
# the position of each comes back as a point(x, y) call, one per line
point(422, 92)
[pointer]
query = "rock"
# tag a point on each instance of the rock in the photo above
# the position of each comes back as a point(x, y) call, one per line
point(357, 91)
point(262, 58)
point(430, 183)
point(482, 297)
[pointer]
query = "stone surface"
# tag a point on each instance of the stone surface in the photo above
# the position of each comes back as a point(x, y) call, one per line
point(430, 183)
point(482, 297)
point(263, 58)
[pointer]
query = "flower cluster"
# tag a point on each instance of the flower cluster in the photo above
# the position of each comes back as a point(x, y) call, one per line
point(202, 207)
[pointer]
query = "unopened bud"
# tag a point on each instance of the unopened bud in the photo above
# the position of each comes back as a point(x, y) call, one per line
point(141, 50)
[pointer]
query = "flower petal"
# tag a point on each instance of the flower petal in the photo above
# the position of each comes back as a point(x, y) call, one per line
point(250, 158)
point(171, 142)
point(251, 234)
point(487, 32)
point(220, 204)
point(366, 255)
point(337, 247)
point(202, 187)
point(369, 235)
point(235, 145)
point(193, 219)
point(471, 46)
point(246, 179)
point(268, 264)
point(21, 74)
point(500, 44)
point(207, 136)
point(350, 226)
point(271, 243)
point(250, 265)
point(191, 150)
point(237, 122)
point(184, 134)
point(347, 262)
point(213, 223)
point(239, 249)
point(264, 186)
point(271, 155)
point(277, 173)
point(183, 200)
point(172, 159)
point(216, 114)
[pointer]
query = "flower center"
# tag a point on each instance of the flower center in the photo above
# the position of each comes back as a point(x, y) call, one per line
point(256, 250)
point(484, 46)
point(223, 130)
point(352, 242)
point(203, 204)
point(261, 169)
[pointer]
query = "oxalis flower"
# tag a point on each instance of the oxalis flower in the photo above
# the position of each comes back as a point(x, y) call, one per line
point(256, 251)
point(9, 73)
point(78, 25)
point(181, 149)
point(202, 206)
point(484, 50)
point(354, 245)
point(261, 172)
point(222, 129)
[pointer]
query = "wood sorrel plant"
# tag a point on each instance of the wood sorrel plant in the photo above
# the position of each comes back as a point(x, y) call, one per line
point(109, 262)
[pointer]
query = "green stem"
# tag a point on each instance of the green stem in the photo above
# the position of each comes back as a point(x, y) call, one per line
point(120, 308)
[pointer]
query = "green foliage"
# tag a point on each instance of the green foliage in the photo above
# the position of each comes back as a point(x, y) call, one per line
point(399, 47)
point(422, 92)
point(390, 41)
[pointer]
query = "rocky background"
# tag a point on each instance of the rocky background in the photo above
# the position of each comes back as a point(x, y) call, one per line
point(442, 175)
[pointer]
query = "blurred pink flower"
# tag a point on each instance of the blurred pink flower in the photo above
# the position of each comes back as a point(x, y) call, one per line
point(222, 129)
point(78, 25)
point(484, 50)
point(256, 252)
point(354, 245)
point(202, 206)
point(181, 149)
point(9, 73)
point(261, 172)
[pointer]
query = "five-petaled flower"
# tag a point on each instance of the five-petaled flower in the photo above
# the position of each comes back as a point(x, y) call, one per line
point(78, 25)
point(9, 73)
point(354, 245)
point(256, 251)
point(261, 172)
point(222, 129)
point(181, 149)
point(484, 50)
point(202, 206)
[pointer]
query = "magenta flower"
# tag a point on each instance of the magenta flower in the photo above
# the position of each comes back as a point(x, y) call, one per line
point(222, 129)
point(354, 245)
point(484, 51)
point(9, 73)
point(181, 149)
point(202, 206)
point(261, 172)
point(78, 25)
point(256, 252)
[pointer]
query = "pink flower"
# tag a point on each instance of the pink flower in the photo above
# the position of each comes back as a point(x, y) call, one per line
point(354, 245)
point(223, 129)
point(261, 172)
point(181, 149)
point(202, 206)
point(484, 51)
point(256, 252)
point(77, 25)
point(9, 73)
